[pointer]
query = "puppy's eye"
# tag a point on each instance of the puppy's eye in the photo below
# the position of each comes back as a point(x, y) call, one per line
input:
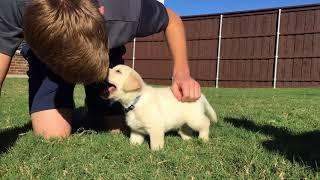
point(118, 71)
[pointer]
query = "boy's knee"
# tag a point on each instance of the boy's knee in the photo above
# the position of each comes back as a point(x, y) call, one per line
point(52, 134)
point(51, 124)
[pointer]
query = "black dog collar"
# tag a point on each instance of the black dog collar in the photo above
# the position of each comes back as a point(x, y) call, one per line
point(132, 106)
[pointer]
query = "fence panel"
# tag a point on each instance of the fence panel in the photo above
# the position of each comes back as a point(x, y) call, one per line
point(299, 48)
point(153, 59)
point(248, 46)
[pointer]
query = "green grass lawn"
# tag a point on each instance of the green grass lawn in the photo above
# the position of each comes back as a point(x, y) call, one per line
point(261, 134)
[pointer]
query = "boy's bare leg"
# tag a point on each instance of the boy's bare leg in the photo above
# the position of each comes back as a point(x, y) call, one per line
point(5, 62)
point(53, 123)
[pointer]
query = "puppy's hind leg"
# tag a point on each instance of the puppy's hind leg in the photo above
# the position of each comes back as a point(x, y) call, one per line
point(202, 125)
point(185, 132)
point(136, 138)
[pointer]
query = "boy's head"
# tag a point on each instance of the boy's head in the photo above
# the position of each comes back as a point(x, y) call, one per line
point(69, 37)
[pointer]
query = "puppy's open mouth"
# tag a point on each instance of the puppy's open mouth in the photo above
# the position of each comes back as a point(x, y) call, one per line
point(104, 89)
point(112, 88)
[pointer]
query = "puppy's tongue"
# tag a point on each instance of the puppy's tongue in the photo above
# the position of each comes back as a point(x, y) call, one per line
point(111, 89)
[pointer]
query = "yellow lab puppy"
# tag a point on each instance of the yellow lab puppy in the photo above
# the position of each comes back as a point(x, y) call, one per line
point(154, 111)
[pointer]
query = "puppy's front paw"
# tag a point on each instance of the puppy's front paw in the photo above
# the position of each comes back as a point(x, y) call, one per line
point(156, 140)
point(115, 131)
point(136, 139)
point(156, 147)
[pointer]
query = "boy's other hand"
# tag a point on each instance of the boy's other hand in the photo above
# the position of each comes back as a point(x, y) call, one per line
point(185, 88)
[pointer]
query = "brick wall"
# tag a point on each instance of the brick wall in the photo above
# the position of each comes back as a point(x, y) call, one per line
point(19, 66)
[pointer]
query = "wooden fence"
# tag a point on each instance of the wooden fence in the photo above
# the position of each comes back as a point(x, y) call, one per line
point(248, 52)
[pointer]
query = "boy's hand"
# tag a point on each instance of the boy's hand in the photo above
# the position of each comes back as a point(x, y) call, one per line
point(185, 88)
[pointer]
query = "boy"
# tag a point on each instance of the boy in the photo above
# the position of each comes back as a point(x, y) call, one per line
point(51, 79)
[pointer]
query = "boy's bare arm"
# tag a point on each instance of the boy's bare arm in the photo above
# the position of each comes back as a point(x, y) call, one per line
point(184, 87)
point(5, 61)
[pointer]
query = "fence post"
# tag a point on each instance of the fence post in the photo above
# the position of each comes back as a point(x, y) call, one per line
point(219, 49)
point(277, 51)
point(134, 53)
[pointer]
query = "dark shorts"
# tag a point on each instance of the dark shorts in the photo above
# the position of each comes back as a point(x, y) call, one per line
point(49, 91)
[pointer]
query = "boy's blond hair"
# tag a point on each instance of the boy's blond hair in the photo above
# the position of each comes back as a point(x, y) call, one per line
point(69, 37)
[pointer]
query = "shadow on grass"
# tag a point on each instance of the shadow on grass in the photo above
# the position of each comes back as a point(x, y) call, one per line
point(9, 136)
point(302, 148)
point(99, 122)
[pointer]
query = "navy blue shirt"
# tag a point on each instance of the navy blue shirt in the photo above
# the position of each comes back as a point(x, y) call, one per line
point(124, 20)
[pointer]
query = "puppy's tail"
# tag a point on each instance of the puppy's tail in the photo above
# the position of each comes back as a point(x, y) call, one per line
point(209, 110)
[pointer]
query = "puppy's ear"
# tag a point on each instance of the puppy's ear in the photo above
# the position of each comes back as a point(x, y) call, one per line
point(133, 82)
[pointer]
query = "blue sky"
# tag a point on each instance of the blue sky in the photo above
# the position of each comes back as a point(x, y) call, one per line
point(196, 7)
